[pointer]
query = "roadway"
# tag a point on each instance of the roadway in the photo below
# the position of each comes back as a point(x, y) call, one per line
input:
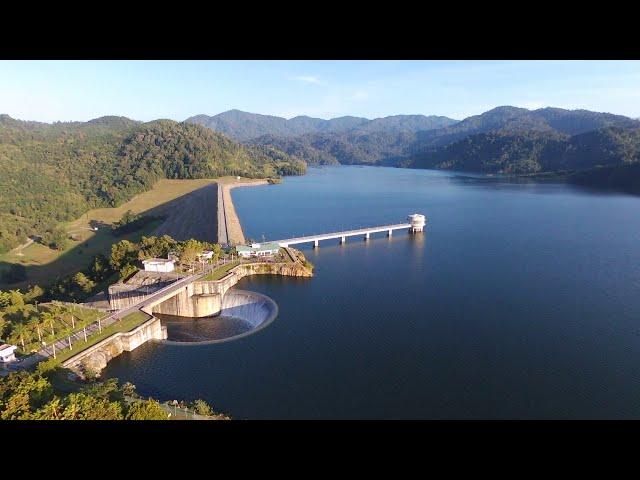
point(78, 336)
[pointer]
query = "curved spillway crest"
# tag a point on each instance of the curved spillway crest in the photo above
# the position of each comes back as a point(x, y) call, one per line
point(242, 314)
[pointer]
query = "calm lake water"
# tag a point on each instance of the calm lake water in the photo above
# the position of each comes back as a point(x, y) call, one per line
point(520, 301)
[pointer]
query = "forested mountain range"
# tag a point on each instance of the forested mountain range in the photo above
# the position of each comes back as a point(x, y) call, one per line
point(526, 152)
point(244, 126)
point(507, 140)
point(55, 172)
point(407, 140)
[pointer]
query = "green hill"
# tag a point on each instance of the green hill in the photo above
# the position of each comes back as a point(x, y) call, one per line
point(530, 152)
point(55, 172)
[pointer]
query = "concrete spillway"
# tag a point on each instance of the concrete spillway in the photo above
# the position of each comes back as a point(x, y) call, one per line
point(242, 314)
point(250, 307)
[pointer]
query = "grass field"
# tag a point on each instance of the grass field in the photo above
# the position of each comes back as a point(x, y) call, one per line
point(124, 325)
point(221, 271)
point(45, 265)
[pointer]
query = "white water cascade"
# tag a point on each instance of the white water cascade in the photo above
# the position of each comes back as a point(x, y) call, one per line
point(242, 314)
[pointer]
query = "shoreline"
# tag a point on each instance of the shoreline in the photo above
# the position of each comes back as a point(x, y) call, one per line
point(229, 226)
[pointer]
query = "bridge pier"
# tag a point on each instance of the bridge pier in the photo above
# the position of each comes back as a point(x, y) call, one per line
point(416, 224)
point(316, 244)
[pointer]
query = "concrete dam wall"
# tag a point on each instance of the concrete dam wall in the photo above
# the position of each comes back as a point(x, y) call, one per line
point(207, 298)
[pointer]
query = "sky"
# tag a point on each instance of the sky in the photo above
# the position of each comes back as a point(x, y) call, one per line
point(147, 90)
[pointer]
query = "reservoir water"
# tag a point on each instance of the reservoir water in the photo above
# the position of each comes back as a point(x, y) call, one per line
point(521, 300)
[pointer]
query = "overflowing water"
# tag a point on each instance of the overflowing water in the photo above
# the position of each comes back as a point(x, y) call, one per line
point(242, 313)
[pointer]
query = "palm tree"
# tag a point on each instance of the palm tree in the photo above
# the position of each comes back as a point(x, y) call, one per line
point(19, 330)
point(34, 324)
point(47, 317)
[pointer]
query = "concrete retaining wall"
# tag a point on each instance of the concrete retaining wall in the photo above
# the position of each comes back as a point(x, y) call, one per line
point(204, 298)
point(96, 357)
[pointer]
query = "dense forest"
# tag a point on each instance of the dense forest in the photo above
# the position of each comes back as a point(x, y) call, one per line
point(51, 173)
point(404, 140)
point(534, 151)
point(348, 148)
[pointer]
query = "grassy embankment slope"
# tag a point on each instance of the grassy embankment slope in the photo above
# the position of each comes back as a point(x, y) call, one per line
point(166, 198)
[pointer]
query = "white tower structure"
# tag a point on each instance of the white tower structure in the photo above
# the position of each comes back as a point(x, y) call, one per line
point(417, 222)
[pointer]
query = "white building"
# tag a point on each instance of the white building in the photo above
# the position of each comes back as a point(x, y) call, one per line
point(206, 255)
point(417, 221)
point(258, 250)
point(158, 265)
point(7, 354)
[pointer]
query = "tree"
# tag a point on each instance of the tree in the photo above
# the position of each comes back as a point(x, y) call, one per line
point(84, 283)
point(56, 239)
point(127, 271)
point(202, 408)
point(158, 247)
point(16, 298)
point(54, 410)
point(190, 251)
point(216, 248)
point(99, 267)
point(129, 389)
point(48, 322)
point(19, 331)
point(122, 253)
point(82, 406)
point(34, 292)
point(146, 410)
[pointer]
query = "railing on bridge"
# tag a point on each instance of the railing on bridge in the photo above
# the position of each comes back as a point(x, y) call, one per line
point(366, 232)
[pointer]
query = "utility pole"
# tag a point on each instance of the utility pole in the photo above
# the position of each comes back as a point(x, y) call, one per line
point(99, 325)
point(85, 334)
point(54, 349)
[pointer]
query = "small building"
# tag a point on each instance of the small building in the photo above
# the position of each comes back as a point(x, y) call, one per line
point(7, 354)
point(417, 221)
point(258, 250)
point(158, 265)
point(206, 255)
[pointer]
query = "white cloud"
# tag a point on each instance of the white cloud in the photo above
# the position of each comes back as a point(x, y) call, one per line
point(309, 79)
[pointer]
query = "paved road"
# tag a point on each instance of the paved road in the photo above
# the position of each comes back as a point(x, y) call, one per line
point(104, 322)
point(113, 317)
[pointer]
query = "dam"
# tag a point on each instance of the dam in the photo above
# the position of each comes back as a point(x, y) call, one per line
point(194, 296)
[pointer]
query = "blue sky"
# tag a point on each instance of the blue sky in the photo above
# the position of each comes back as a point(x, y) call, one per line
point(146, 90)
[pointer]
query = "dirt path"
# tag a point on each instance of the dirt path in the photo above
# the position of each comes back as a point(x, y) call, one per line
point(19, 248)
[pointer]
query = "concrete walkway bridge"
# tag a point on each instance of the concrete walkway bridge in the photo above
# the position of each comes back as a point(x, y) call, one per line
point(416, 224)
